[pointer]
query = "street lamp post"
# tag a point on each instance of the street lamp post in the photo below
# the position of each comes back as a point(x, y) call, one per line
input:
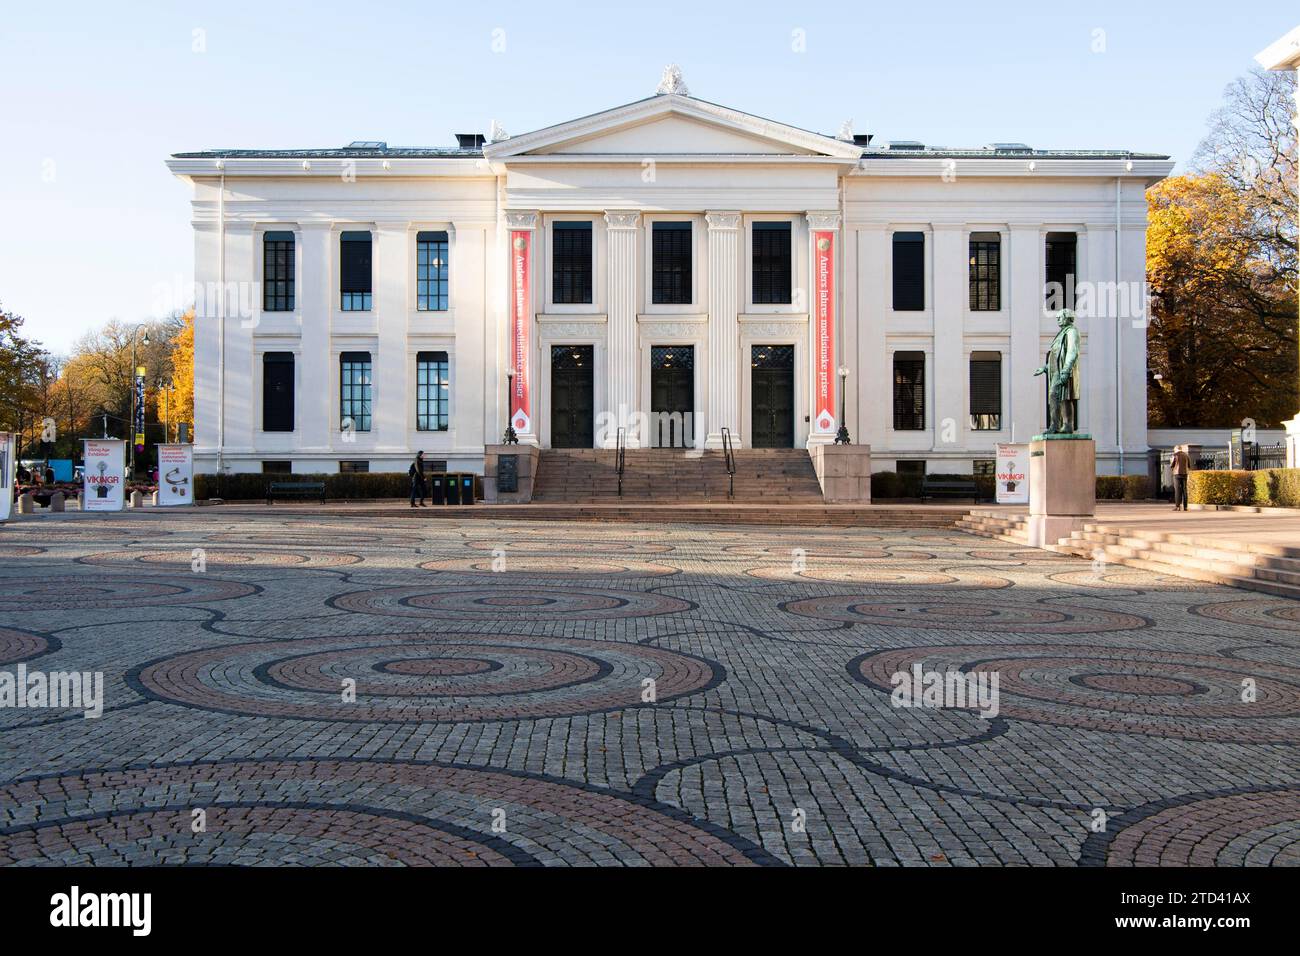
point(842, 436)
point(510, 437)
point(135, 374)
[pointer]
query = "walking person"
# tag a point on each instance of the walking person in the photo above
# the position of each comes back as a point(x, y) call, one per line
point(417, 479)
point(1179, 466)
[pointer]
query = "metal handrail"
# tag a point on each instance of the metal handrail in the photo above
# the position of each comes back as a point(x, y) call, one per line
point(619, 457)
point(729, 460)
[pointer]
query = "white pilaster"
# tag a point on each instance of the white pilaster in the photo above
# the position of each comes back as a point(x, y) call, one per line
point(206, 347)
point(478, 415)
point(1026, 277)
point(392, 376)
point(873, 373)
point(241, 319)
point(951, 297)
point(724, 277)
point(316, 403)
point(622, 227)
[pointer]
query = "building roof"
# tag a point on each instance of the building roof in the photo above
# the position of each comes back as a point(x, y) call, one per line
point(387, 152)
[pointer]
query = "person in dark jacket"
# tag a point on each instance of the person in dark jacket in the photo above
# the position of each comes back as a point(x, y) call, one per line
point(417, 479)
point(1180, 465)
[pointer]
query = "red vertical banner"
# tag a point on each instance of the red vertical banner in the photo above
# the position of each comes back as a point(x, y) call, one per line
point(520, 303)
point(824, 330)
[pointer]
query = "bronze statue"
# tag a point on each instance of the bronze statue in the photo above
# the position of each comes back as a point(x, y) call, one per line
point(1062, 371)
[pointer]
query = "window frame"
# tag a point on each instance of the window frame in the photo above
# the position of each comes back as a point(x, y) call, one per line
point(918, 386)
point(557, 226)
point(897, 240)
point(665, 226)
point(1068, 299)
point(288, 301)
point(442, 296)
point(441, 402)
point(979, 420)
point(277, 357)
point(367, 397)
point(984, 279)
point(772, 226)
point(366, 301)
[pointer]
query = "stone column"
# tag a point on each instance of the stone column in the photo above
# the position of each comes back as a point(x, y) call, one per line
point(723, 374)
point(316, 404)
point(873, 372)
point(622, 269)
point(242, 312)
point(391, 376)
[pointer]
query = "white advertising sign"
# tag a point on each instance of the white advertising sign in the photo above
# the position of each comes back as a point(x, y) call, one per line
point(104, 482)
point(175, 474)
point(8, 464)
point(1012, 472)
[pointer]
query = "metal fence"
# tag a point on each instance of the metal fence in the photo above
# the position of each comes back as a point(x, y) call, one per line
point(1254, 458)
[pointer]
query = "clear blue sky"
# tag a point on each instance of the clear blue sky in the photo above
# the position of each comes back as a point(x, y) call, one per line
point(99, 94)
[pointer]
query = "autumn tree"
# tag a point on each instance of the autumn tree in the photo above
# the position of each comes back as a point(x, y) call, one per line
point(1221, 267)
point(181, 397)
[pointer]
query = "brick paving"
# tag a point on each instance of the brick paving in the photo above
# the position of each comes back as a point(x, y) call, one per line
point(315, 690)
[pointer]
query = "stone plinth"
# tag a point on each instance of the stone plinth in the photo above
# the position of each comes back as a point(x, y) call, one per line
point(1062, 488)
point(526, 469)
point(844, 472)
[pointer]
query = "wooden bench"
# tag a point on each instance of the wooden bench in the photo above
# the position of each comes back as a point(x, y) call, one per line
point(949, 489)
point(295, 489)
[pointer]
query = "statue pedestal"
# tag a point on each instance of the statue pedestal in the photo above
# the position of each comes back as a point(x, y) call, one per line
point(500, 473)
point(1062, 487)
point(844, 472)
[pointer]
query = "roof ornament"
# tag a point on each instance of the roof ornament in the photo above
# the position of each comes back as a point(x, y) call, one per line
point(846, 131)
point(672, 83)
point(497, 133)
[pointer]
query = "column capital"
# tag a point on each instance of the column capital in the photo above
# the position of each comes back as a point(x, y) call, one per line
point(822, 219)
point(521, 219)
point(622, 219)
point(722, 221)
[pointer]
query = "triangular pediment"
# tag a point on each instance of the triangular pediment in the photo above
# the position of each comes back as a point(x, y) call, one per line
point(671, 125)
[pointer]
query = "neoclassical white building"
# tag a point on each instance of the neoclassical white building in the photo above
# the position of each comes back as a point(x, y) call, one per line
point(670, 255)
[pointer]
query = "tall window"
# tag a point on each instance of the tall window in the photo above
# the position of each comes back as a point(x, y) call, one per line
point(432, 391)
point(1062, 262)
point(985, 272)
point(277, 272)
point(909, 272)
point(354, 391)
point(909, 391)
point(986, 391)
point(571, 263)
point(771, 263)
point(671, 263)
point(277, 391)
point(354, 271)
point(431, 271)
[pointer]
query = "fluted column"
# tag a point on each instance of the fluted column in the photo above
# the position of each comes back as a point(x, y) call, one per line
point(724, 343)
point(621, 271)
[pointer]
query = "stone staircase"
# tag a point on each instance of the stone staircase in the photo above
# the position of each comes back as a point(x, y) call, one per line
point(675, 476)
point(1273, 569)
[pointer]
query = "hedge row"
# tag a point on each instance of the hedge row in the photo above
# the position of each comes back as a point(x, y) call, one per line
point(1272, 487)
point(1123, 487)
point(353, 485)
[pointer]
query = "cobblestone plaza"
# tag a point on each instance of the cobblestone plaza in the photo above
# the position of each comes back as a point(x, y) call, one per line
point(330, 690)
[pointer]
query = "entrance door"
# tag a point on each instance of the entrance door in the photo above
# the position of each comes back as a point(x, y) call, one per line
point(672, 396)
point(771, 396)
point(572, 381)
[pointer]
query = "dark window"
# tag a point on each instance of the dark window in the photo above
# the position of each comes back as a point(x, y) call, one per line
point(983, 468)
point(277, 468)
point(985, 272)
point(912, 467)
point(1062, 262)
point(353, 467)
point(671, 263)
point(431, 271)
point(277, 391)
point(909, 391)
point(571, 263)
point(277, 272)
point(771, 263)
point(909, 272)
point(354, 391)
point(354, 271)
point(432, 392)
point(986, 391)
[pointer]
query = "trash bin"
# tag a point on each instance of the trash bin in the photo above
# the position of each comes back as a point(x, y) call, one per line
point(437, 488)
point(452, 485)
point(466, 482)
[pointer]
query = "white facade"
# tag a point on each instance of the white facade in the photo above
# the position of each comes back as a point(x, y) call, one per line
point(667, 158)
